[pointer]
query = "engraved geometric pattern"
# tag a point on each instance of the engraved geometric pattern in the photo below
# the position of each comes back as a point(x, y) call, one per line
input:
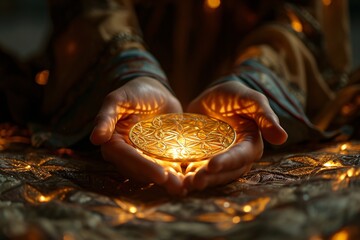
point(178, 137)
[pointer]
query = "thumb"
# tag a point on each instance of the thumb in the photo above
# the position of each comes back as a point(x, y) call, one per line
point(103, 129)
point(271, 129)
point(105, 122)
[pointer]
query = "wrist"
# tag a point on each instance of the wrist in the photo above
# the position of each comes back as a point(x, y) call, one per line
point(134, 63)
point(125, 41)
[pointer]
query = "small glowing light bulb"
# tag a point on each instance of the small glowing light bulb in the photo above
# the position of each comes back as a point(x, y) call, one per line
point(133, 209)
point(343, 147)
point(213, 4)
point(247, 208)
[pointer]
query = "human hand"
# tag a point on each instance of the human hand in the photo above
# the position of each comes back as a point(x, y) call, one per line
point(249, 113)
point(138, 99)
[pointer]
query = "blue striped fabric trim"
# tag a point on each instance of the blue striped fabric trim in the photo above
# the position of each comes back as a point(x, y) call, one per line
point(133, 63)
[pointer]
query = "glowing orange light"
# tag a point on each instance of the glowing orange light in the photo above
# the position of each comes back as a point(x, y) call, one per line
point(327, 2)
point(213, 4)
point(68, 236)
point(342, 177)
point(351, 172)
point(347, 109)
point(43, 198)
point(295, 22)
point(42, 77)
point(248, 217)
point(133, 209)
point(247, 208)
point(342, 235)
point(343, 147)
point(332, 163)
point(236, 219)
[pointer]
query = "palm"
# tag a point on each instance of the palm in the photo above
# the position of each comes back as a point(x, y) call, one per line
point(249, 113)
point(137, 100)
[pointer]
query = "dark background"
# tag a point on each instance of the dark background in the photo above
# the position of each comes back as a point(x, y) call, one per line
point(24, 27)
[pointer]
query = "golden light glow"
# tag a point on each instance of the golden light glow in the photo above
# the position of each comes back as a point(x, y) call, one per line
point(42, 77)
point(332, 163)
point(133, 209)
point(12, 134)
point(233, 214)
point(351, 172)
point(247, 208)
point(343, 179)
point(68, 236)
point(181, 143)
point(348, 109)
point(327, 2)
point(43, 198)
point(343, 147)
point(295, 22)
point(34, 196)
point(226, 107)
point(248, 217)
point(342, 235)
point(213, 4)
point(236, 219)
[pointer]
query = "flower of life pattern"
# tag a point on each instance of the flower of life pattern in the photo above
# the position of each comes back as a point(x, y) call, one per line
point(182, 137)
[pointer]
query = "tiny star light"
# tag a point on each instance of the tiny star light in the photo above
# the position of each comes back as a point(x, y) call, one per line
point(179, 140)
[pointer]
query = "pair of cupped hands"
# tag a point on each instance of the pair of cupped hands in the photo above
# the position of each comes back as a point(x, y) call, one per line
point(246, 110)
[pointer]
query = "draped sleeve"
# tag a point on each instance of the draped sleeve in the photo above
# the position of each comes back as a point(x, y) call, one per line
point(96, 47)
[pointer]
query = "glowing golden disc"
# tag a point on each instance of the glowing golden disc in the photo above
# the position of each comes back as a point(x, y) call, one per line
point(180, 137)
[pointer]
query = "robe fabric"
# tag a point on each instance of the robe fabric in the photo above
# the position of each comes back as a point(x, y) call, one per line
point(297, 53)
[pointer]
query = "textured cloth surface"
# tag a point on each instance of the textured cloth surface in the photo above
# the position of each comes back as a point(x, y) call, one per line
point(312, 193)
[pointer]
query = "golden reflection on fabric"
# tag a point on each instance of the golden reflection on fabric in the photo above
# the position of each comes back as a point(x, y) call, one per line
point(35, 196)
point(33, 163)
point(81, 196)
point(124, 211)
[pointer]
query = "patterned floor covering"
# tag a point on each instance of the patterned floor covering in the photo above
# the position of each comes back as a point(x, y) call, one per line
point(312, 193)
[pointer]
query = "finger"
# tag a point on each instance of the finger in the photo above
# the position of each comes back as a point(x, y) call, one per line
point(174, 185)
point(129, 162)
point(242, 153)
point(268, 123)
point(188, 182)
point(108, 116)
point(203, 179)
